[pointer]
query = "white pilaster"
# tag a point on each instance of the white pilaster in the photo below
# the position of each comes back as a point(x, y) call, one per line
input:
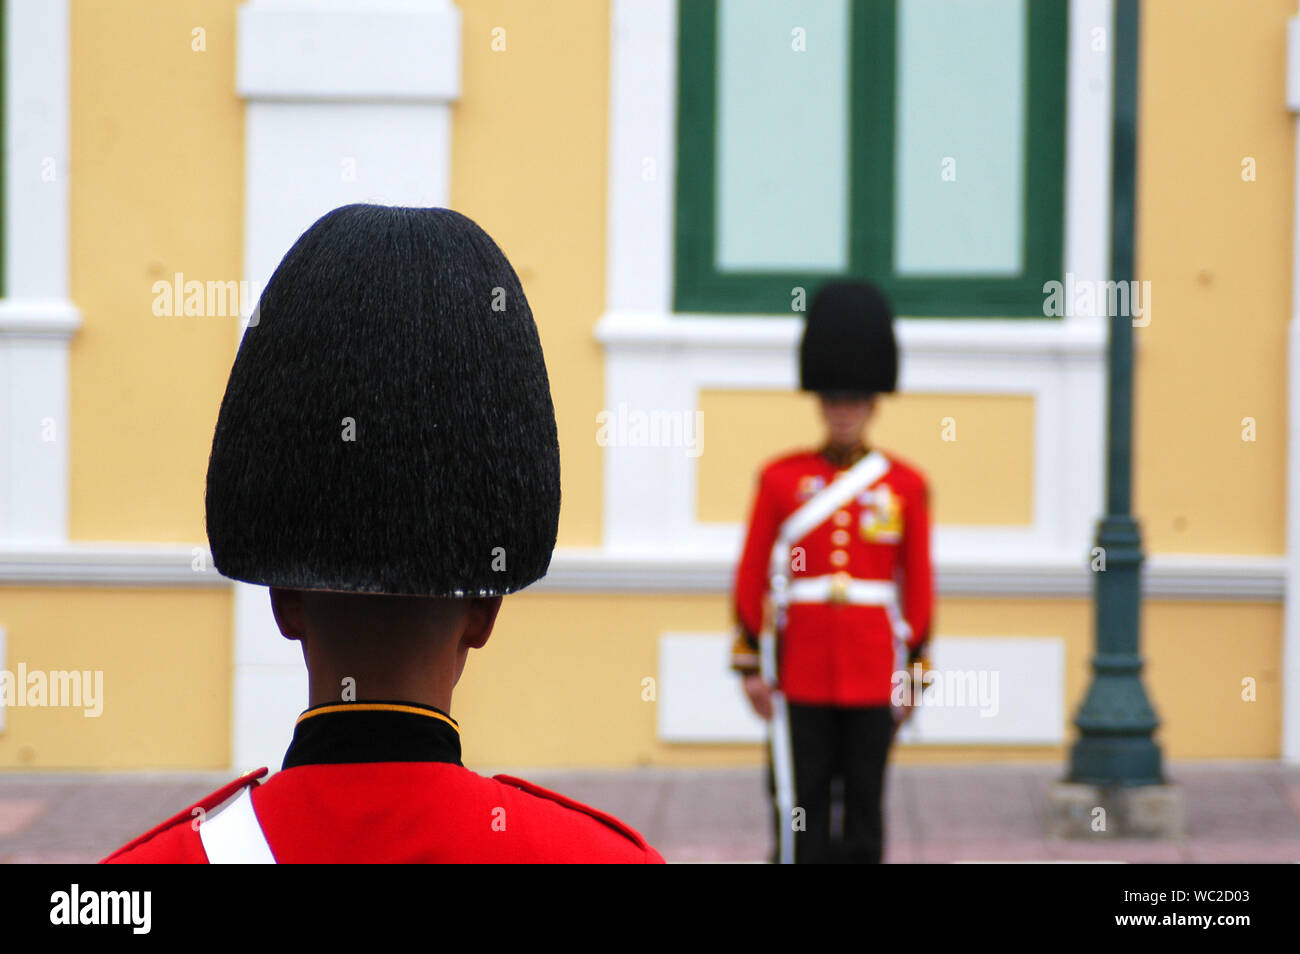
point(36, 318)
point(347, 101)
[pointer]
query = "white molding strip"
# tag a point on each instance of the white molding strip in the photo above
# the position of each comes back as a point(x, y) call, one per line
point(346, 102)
point(36, 94)
point(36, 318)
point(928, 337)
point(399, 50)
point(109, 564)
point(42, 319)
point(1087, 137)
point(595, 570)
point(1213, 578)
point(642, 136)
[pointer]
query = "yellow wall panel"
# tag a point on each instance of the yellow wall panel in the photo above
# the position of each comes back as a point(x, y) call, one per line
point(982, 475)
point(1198, 656)
point(156, 188)
point(165, 656)
point(1217, 252)
point(529, 148)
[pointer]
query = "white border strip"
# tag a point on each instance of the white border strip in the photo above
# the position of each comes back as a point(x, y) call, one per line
point(1087, 139)
point(338, 50)
point(642, 155)
point(36, 149)
point(36, 318)
point(107, 564)
point(596, 570)
point(634, 332)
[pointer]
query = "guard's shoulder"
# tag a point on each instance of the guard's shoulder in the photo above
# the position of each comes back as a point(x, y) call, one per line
point(138, 849)
point(906, 472)
point(629, 833)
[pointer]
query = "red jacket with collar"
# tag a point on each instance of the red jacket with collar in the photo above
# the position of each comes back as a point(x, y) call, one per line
point(381, 782)
point(402, 812)
point(838, 653)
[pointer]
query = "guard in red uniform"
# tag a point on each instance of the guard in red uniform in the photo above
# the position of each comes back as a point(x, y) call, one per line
point(836, 571)
point(386, 462)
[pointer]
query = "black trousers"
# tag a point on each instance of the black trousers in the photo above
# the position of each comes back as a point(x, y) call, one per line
point(848, 745)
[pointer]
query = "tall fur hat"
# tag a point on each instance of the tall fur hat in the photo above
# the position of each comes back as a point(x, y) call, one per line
point(388, 426)
point(848, 341)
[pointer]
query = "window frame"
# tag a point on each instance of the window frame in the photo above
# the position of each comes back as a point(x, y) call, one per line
point(698, 286)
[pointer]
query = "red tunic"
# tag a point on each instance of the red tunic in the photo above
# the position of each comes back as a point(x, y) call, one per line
point(838, 653)
point(425, 808)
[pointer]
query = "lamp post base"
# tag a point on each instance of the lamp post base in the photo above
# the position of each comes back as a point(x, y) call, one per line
point(1118, 760)
point(1076, 810)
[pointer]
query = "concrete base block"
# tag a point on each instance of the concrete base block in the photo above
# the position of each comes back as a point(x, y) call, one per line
point(1092, 811)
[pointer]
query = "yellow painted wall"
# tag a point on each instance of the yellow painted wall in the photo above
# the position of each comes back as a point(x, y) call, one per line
point(165, 655)
point(529, 139)
point(978, 448)
point(1198, 656)
point(1217, 251)
point(155, 188)
point(155, 184)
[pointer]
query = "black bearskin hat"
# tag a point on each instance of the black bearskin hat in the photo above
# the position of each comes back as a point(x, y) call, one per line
point(848, 342)
point(388, 425)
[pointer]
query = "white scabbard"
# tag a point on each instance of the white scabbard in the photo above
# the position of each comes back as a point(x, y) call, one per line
point(778, 729)
point(783, 770)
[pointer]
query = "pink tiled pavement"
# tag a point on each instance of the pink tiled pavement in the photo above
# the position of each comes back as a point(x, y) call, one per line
point(17, 813)
point(1236, 812)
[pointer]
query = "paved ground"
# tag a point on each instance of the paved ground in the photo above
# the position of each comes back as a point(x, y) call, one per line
point(1237, 812)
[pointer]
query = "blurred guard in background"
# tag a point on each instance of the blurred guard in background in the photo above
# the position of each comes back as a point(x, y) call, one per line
point(386, 461)
point(833, 593)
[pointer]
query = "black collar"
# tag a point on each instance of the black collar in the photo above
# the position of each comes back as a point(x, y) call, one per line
point(338, 732)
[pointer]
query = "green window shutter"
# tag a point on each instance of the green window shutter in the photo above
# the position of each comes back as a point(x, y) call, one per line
point(980, 245)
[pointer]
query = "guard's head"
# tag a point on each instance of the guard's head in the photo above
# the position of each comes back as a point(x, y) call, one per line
point(388, 427)
point(846, 414)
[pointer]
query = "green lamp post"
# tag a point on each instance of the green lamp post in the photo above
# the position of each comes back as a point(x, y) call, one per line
point(1116, 721)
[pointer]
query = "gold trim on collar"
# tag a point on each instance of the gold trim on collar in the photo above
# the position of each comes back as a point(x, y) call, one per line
point(378, 707)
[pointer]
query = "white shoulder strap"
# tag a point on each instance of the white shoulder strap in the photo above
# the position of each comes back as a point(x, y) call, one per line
point(817, 510)
point(234, 836)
